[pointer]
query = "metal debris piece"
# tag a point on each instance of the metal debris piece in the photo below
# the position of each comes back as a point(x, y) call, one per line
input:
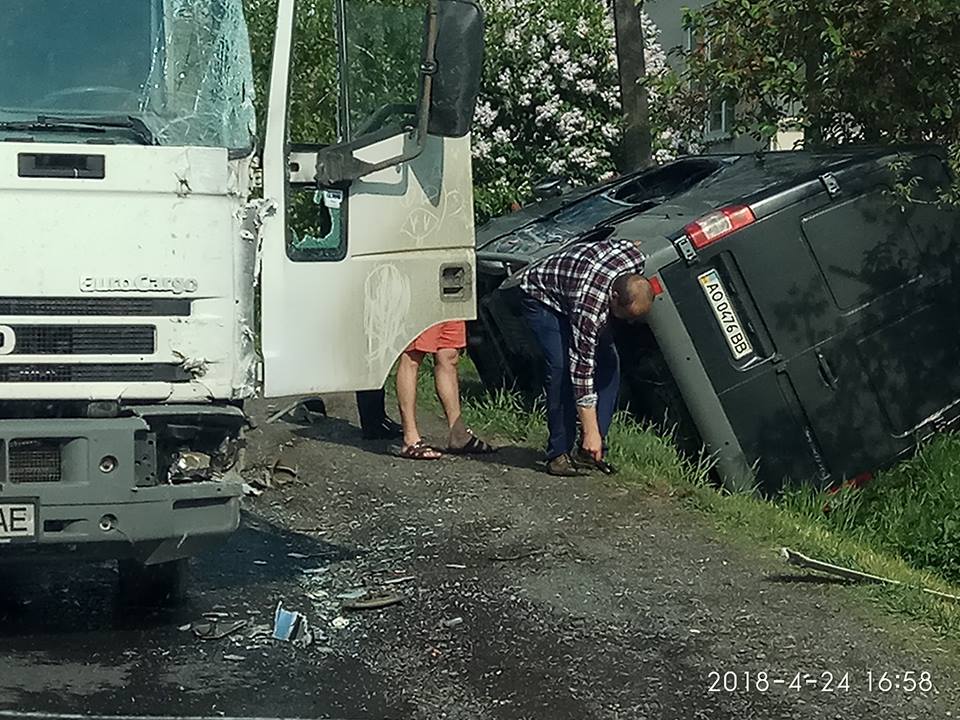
point(354, 594)
point(251, 491)
point(453, 622)
point(190, 466)
point(285, 470)
point(397, 581)
point(306, 411)
point(340, 622)
point(518, 556)
point(456, 566)
point(802, 561)
point(373, 602)
point(291, 626)
point(234, 658)
point(314, 570)
point(216, 628)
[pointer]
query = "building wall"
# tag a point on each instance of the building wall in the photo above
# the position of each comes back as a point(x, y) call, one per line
point(668, 17)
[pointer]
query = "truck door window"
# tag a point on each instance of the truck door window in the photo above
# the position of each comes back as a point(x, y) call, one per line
point(383, 47)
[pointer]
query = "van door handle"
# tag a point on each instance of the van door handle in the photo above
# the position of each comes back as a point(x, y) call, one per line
point(827, 374)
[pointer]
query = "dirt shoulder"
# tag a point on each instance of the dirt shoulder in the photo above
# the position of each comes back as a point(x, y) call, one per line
point(536, 597)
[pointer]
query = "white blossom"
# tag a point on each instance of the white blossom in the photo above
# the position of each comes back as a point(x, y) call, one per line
point(501, 135)
point(559, 56)
point(569, 71)
point(588, 86)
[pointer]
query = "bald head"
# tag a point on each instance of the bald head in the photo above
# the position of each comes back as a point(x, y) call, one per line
point(631, 297)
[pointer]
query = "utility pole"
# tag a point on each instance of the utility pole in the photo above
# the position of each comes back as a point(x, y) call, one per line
point(636, 150)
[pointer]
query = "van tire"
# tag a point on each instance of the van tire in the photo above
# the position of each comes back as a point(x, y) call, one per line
point(160, 585)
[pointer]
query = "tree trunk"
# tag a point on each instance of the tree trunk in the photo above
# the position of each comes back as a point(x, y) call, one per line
point(636, 147)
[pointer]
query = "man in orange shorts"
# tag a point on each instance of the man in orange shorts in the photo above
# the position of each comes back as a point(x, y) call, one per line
point(444, 342)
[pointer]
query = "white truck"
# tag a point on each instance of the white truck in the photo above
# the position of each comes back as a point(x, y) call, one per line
point(146, 295)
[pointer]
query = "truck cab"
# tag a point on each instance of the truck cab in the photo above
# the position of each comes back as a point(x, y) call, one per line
point(148, 292)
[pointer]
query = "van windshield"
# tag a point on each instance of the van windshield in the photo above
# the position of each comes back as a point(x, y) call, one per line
point(182, 67)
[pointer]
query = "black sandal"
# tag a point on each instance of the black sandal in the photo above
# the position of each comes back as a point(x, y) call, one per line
point(473, 446)
point(420, 451)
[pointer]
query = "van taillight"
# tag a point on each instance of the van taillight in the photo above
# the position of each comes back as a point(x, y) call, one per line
point(717, 225)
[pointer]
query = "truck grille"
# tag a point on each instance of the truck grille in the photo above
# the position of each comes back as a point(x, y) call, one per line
point(84, 339)
point(93, 372)
point(159, 307)
point(34, 460)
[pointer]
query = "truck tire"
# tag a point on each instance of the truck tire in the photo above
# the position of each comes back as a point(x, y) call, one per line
point(160, 585)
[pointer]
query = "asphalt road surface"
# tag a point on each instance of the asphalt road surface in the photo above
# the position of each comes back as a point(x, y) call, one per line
point(520, 596)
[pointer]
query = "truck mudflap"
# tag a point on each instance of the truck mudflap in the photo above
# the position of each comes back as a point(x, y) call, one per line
point(104, 487)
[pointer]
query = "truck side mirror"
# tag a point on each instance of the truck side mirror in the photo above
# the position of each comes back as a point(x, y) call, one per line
point(459, 67)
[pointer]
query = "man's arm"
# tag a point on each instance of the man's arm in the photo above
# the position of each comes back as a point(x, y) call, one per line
point(584, 331)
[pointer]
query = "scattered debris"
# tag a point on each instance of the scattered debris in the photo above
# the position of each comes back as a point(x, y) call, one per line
point(456, 566)
point(259, 562)
point(251, 491)
point(214, 628)
point(373, 602)
point(802, 561)
point(190, 466)
point(291, 626)
point(453, 622)
point(397, 581)
point(355, 594)
point(340, 622)
point(234, 658)
point(314, 570)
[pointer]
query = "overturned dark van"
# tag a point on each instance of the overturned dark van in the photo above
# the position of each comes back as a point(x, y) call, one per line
point(806, 326)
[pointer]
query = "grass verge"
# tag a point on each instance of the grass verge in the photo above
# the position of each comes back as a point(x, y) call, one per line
point(904, 526)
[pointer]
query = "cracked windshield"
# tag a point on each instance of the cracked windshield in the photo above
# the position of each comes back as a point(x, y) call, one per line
point(479, 360)
point(180, 70)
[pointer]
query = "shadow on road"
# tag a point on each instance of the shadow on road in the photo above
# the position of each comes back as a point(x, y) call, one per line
point(67, 598)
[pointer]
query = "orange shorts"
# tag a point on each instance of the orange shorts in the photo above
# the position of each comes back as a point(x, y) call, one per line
point(449, 334)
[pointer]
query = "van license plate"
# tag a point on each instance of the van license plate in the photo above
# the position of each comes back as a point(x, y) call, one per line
point(727, 317)
point(18, 521)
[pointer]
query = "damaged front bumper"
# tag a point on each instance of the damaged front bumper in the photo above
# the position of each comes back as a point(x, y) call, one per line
point(107, 488)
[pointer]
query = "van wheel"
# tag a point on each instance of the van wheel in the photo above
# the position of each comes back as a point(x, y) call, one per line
point(160, 585)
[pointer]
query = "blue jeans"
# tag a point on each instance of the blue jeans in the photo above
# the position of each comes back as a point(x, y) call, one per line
point(552, 330)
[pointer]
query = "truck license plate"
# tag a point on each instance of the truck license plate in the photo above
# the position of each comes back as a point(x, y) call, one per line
point(18, 521)
point(726, 316)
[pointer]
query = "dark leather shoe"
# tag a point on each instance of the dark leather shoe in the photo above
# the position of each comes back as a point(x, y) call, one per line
point(586, 462)
point(562, 466)
point(386, 429)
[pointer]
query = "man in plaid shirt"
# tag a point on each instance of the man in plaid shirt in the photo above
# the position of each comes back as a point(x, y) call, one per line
point(567, 300)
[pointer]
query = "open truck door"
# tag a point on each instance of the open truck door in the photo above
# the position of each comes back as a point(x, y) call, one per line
point(369, 241)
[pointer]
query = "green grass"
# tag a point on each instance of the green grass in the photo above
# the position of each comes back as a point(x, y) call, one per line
point(904, 526)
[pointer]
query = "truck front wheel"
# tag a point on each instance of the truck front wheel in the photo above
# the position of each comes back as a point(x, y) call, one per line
point(160, 585)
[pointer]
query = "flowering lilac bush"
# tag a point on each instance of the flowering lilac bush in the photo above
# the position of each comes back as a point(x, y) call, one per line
point(550, 101)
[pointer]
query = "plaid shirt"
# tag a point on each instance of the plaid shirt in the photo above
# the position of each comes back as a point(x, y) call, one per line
point(576, 282)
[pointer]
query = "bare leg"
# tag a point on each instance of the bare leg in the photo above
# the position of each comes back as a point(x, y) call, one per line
point(407, 395)
point(447, 383)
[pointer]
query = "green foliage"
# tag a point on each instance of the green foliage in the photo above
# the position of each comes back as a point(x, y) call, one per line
point(313, 81)
point(912, 511)
point(876, 71)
